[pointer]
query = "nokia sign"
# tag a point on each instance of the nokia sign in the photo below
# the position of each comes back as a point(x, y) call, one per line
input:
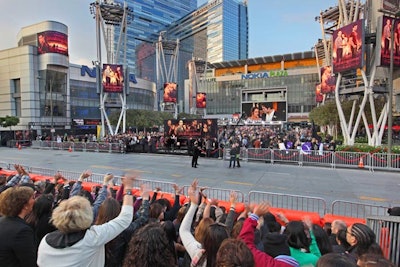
point(277, 73)
point(91, 72)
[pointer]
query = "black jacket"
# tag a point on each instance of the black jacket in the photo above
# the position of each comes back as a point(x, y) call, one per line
point(17, 243)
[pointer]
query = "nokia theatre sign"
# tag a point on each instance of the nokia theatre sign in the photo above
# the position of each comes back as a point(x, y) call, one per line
point(276, 73)
point(91, 72)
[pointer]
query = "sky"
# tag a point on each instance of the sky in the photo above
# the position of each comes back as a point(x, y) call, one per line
point(275, 27)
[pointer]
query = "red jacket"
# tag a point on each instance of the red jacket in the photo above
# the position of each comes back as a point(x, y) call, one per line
point(261, 258)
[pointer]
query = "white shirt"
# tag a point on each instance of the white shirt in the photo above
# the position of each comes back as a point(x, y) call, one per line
point(88, 252)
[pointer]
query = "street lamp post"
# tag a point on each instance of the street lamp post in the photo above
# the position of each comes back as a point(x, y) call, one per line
point(51, 109)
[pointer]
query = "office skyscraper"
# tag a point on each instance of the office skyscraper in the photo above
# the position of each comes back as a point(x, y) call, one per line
point(149, 18)
point(216, 31)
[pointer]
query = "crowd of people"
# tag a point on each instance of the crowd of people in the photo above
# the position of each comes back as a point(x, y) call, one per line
point(305, 139)
point(58, 223)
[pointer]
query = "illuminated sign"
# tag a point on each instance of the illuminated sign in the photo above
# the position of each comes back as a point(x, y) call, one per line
point(91, 72)
point(52, 42)
point(276, 73)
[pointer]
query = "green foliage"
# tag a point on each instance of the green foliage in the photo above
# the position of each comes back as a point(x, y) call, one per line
point(9, 121)
point(142, 118)
point(362, 140)
point(188, 116)
point(368, 149)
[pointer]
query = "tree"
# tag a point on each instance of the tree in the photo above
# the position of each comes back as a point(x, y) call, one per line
point(9, 121)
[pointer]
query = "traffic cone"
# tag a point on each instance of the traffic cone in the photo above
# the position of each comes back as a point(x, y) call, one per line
point(19, 147)
point(361, 163)
point(70, 149)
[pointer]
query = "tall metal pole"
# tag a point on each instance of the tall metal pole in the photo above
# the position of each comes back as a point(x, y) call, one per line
point(390, 89)
point(51, 109)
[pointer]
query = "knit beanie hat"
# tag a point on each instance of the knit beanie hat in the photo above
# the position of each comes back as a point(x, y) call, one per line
point(275, 244)
point(288, 260)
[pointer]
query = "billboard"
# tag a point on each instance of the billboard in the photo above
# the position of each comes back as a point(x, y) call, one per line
point(191, 128)
point(319, 97)
point(113, 78)
point(201, 100)
point(170, 92)
point(383, 43)
point(265, 111)
point(328, 80)
point(348, 47)
point(52, 42)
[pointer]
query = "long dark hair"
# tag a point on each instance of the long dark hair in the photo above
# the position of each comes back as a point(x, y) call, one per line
point(213, 239)
point(149, 247)
point(108, 210)
point(297, 237)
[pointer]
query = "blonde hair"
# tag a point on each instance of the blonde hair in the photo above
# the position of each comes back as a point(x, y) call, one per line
point(73, 215)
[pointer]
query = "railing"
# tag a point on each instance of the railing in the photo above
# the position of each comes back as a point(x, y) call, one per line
point(80, 146)
point(357, 210)
point(387, 231)
point(286, 201)
point(341, 159)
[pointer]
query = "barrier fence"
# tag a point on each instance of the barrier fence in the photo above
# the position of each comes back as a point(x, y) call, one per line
point(386, 228)
point(292, 202)
point(387, 231)
point(340, 159)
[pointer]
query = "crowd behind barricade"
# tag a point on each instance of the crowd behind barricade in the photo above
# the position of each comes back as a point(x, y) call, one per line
point(304, 139)
point(60, 222)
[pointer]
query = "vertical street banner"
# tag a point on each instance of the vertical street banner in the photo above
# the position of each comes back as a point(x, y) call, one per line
point(348, 47)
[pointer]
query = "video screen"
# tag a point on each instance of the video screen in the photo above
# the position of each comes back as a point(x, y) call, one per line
point(170, 92)
point(191, 128)
point(265, 111)
point(52, 42)
point(113, 78)
point(201, 100)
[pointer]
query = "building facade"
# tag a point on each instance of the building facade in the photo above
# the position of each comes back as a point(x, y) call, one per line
point(149, 18)
point(217, 31)
point(47, 93)
point(285, 83)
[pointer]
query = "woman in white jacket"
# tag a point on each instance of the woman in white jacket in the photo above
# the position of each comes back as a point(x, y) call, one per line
point(77, 242)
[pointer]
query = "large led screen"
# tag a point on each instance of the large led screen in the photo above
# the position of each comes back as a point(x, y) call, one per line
point(170, 92)
point(113, 78)
point(265, 111)
point(348, 47)
point(52, 42)
point(191, 128)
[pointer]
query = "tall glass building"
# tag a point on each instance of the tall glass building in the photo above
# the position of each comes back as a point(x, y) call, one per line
point(216, 32)
point(149, 18)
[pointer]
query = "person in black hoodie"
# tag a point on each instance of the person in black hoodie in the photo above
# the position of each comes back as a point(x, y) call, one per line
point(274, 242)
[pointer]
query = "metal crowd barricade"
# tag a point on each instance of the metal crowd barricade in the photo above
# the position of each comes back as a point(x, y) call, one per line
point(352, 159)
point(92, 147)
point(42, 171)
point(286, 155)
point(262, 154)
point(294, 202)
point(218, 193)
point(379, 161)
point(104, 147)
point(387, 231)
point(4, 165)
point(357, 210)
point(324, 158)
point(116, 148)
